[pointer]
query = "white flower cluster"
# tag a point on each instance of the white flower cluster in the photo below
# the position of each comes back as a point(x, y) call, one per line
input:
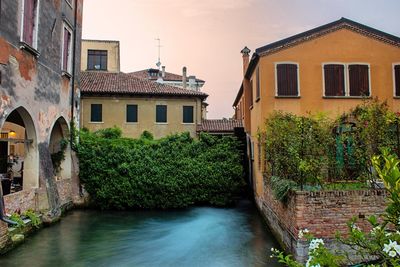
point(392, 249)
point(302, 232)
point(355, 227)
point(314, 244)
point(308, 264)
point(375, 229)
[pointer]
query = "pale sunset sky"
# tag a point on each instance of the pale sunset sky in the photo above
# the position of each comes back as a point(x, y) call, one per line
point(206, 36)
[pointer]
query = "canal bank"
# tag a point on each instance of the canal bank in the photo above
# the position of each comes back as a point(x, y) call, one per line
point(199, 236)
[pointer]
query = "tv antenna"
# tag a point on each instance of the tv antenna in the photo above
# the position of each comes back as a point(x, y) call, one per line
point(158, 64)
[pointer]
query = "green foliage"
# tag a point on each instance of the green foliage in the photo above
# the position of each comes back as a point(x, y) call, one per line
point(35, 220)
point(15, 217)
point(297, 147)
point(109, 133)
point(280, 187)
point(58, 157)
point(172, 172)
point(147, 135)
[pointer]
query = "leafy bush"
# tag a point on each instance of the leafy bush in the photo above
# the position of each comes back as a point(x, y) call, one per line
point(172, 172)
point(280, 187)
point(35, 220)
point(15, 217)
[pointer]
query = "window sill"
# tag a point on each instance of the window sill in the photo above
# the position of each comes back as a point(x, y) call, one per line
point(347, 97)
point(188, 123)
point(131, 123)
point(66, 74)
point(96, 122)
point(396, 97)
point(161, 123)
point(29, 49)
point(287, 96)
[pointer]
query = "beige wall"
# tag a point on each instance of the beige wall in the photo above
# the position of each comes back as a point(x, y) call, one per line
point(114, 114)
point(342, 46)
point(113, 52)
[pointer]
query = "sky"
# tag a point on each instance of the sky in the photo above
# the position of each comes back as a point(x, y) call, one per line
point(206, 36)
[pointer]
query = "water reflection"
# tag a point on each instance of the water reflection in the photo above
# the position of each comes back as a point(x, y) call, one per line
point(195, 237)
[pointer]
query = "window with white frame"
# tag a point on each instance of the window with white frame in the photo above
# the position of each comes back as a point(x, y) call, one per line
point(30, 21)
point(287, 79)
point(346, 80)
point(396, 79)
point(66, 63)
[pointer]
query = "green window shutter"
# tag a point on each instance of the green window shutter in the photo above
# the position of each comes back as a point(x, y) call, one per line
point(187, 114)
point(96, 113)
point(161, 113)
point(131, 113)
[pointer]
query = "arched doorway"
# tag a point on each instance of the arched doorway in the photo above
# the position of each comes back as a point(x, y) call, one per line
point(60, 149)
point(19, 160)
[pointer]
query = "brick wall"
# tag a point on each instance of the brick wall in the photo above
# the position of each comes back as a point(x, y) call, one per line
point(3, 234)
point(323, 213)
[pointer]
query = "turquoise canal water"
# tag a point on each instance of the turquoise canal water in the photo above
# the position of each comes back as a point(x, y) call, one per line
point(200, 236)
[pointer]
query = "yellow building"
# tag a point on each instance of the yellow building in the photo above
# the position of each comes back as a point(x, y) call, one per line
point(135, 105)
point(100, 55)
point(331, 68)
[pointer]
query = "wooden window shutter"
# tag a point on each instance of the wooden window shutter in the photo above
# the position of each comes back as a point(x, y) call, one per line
point(287, 80)
point(334, 80)
point(359, 80)
point(67, 39)
point(397, 80)
point(29, 21)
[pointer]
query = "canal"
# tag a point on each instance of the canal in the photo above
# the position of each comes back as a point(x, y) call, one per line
point(200, 236)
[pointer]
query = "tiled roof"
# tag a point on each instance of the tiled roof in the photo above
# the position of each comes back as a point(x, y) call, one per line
point(144, 74)
point(219, 126)
point(97, 82)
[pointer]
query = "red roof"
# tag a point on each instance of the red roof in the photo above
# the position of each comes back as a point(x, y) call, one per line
point(219, 126)
point(97, 82)
point(144, 74)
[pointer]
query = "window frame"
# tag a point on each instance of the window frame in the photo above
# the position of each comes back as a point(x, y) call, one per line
point(70, 3)
point(394, 79)
point(258, 86)
point(101, 113)
point(166, 114)
point(183, 114)
point(276, 79)
point(67, 71)
point(346, 79)
point(94, 69)
point(137, 114)
point(34, 46)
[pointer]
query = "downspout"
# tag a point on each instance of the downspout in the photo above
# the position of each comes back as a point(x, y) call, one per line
point(73, 70)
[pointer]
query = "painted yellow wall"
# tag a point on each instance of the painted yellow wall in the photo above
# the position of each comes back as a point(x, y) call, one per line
point(112, 47)
point(114, 114)
point(342, 46)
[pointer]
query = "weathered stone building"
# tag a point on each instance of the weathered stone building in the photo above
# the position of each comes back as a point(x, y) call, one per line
point(39, 49)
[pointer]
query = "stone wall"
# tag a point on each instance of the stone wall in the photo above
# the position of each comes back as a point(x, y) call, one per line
point(322, 212)
point(3, 234)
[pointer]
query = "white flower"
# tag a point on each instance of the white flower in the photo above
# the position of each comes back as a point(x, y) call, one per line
point(388, 234)
point(308, 263)
point(392, 253)
point(397, 248)
point(392, 248)
point(314, 244)
point(302, 232)
point(355, 227)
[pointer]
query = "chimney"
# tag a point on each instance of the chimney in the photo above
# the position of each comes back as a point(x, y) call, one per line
point(184, 77)
point(246, 54)
point(163, 72)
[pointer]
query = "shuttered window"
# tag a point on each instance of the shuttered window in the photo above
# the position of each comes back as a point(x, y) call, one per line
point(258, 84)
point(359, 80)
point(131, 113)
point(96, 113)
point(334, 80)
point(287, 80)
point(251, 93)
point(66, 66)
point(187, 114)
point(161, 113)
point(397, 80)
point(29, 27)
point(97, 60)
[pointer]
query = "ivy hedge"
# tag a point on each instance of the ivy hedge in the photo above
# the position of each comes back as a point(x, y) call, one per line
point(172, 172)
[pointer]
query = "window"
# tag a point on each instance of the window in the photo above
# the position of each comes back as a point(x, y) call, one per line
point(131, 113)
point(67, 50)
point(96, 113)
point(258, 84)
point(30, 22)
point(334, 80)
point(251, 93)
point(97, 60)
point(187, 114)
point(396, 76)
point(359, 80)
point(287, 80)
point(161, 113)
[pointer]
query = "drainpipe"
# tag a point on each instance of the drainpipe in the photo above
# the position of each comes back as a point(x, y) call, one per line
point(73, 68)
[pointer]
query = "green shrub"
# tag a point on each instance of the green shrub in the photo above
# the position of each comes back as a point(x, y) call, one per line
point(15, 217)
point(35, 220)
point(280, 187)
point(172, 172)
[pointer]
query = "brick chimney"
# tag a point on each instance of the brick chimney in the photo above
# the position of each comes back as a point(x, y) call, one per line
point(184, 77)
point(163, 72)
point(246, 58)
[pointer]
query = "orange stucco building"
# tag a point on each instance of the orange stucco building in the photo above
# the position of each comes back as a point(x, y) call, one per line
point(331, 69)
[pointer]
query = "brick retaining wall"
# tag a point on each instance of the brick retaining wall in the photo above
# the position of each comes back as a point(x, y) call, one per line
point(3, 234)
point(322, 212)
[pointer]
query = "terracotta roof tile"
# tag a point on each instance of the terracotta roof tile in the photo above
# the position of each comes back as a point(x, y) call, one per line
point(144, 74)
point(97, 82)
point(221, 126)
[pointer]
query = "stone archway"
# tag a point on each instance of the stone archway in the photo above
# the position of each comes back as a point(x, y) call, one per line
point(18, 136)
point(59, 144)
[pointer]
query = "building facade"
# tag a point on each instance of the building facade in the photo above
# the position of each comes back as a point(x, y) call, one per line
point(100, 55)
point(39, 52)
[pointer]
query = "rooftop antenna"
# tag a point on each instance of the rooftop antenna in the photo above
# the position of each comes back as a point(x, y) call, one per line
point(158, 64)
